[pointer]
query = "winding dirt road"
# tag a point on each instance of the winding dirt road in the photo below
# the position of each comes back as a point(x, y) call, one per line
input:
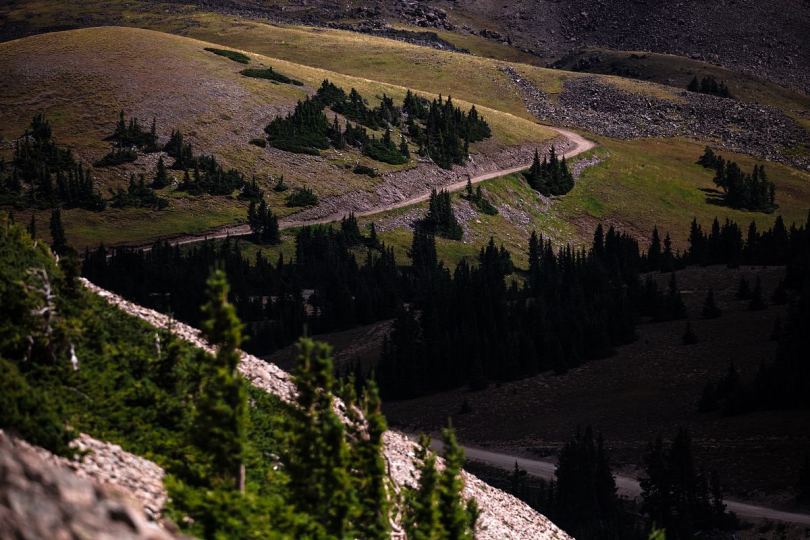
point(579, 145)
point(626, 486)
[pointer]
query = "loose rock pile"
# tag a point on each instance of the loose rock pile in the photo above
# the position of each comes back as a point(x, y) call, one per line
point(601, 108)
point(41, 498)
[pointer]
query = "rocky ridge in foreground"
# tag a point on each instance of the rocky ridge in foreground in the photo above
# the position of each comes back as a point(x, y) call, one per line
point(502, 515)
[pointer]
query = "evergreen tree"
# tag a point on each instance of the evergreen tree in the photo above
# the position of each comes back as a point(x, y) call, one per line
point(220, 424)
point(457, 516)
point(423, 516)
point(316, 454)
point(32, 226)
point(757, 302)
point(59, 243)
point(161, 179)
point(373, 474)
point(743, 289)
point(689, 336)
point(710, 309)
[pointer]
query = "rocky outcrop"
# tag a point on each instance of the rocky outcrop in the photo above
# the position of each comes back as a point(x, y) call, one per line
point(42, 498)
point(601, 108)
point(503, 517)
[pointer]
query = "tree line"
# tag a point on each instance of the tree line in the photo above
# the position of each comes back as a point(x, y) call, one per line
point(677, 495)
point(240, 463)
point(468, 326)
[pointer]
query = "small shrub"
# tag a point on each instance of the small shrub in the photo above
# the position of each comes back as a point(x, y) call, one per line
point(302, 197)
point(270, 75)
point(117, 156)
point(365, 169)
point(261, 142)
point(232, 55)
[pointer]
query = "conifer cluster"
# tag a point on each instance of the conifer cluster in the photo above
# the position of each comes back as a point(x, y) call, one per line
point(138, 195)
point(440, 219)
point(263, 223)
point(551, 176)
point(43, 175)
point(709, 85)
point(747, 191)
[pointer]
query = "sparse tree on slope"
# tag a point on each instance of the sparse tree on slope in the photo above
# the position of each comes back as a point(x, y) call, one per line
point(221, 419)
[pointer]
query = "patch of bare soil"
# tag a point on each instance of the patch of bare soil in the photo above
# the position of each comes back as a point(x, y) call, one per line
point(648, 388)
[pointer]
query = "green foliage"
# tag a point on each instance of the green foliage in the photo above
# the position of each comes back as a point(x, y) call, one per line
point(384, 150)
point(130, 135)
point(232, 55)
point(676, 495)
point(752, 192)
point(117, 156)
point(263, 223)
point(138, 195)
point(43, 175)
point(220, 422)
point(477, 198)
point(440, 218)
point(365, 169)
point(303, 131)
point(270, 75)
point(302, 197)
point(161, 179)
point(435, 509)
point(442, 130)
point(551, 176)
point(316, 454)
point(30, 412)
point(59, 243)
point(585, 499)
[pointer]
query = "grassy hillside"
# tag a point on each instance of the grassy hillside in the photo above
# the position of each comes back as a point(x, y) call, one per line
point(635, 186)
point(80, 79)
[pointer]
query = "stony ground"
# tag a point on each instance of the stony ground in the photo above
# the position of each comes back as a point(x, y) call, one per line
point(502, 515)
point(46, 497)
point(587, 103)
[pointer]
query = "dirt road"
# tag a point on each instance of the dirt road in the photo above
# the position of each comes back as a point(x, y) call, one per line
point(626, 486)
point(579, 145)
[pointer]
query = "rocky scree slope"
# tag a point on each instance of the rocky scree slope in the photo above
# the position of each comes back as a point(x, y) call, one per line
point(42, 496)
point(503, 517)
point(588, 103)
point(766, 39)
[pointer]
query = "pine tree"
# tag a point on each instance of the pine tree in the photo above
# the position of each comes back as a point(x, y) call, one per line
point(59, 243)
point(743, 289)
point(457, 517)
point(161, 179)
point(689, 336)
point(220, 423)
point(710, 309)
point(423, 516)
point(757, 302)
point(316, 455)
point(372, 492)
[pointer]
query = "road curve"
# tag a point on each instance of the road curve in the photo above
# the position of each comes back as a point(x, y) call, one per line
point(579, 145)
point(626, 486)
